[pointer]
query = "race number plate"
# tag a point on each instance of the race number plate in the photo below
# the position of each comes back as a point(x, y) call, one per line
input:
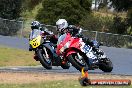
point(86, 49)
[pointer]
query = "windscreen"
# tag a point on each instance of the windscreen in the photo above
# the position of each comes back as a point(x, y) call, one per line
point(34, 33)
point(61, 38)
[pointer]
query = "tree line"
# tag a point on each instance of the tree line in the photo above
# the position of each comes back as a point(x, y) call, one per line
point(75, 11)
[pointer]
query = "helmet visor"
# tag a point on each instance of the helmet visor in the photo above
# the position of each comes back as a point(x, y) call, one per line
point(61, 26)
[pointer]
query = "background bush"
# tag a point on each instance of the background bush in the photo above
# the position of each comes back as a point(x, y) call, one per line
point(71, 10)
point(97, 23)
point(10, 9)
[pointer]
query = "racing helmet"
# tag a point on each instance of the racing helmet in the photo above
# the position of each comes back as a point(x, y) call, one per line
point(61, 25)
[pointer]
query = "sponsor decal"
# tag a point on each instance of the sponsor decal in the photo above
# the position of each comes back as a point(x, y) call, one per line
point(85, 81)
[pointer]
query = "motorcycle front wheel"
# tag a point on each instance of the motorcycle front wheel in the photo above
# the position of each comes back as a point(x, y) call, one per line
point(77, 62)
point(45, 57)
point(66, 65)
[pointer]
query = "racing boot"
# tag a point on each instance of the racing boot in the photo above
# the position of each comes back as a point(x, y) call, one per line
point(36, 57)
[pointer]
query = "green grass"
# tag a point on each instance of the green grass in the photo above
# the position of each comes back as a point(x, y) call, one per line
point(56, 84)
point(16, 57)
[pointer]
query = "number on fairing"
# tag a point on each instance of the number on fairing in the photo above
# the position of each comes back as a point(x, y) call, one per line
point(86, 48)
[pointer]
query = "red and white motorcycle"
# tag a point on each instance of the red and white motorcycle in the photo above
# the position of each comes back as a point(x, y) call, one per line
point(74, 50)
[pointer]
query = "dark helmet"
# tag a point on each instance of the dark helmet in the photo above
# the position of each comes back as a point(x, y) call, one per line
point(35, 25)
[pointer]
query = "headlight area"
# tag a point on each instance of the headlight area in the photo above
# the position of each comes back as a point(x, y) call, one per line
point(61, 50)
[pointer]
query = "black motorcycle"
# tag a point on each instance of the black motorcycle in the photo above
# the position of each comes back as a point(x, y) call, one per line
point(43, 43)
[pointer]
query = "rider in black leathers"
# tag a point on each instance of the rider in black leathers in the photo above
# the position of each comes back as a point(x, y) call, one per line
point(44, 31)
point(73, 30)
point(63, 27)
point(35, 25)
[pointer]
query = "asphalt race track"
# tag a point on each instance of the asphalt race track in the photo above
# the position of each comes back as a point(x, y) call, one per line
point(21, 43)
point(121, 58)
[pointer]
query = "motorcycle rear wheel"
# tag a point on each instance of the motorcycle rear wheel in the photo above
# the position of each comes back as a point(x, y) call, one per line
point(75, 63)
point(106, 65)
point(42, 58)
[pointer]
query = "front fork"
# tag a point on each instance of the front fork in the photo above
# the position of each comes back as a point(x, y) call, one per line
point(46, 54)
point(36, 56)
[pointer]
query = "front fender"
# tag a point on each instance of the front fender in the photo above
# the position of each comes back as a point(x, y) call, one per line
point(70, 52)
point(49, 46)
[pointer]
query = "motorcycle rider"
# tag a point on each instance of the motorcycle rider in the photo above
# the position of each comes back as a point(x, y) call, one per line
point(35, 25)
point(63, 28)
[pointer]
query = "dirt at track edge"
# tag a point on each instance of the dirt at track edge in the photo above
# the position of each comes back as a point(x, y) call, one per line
point(21, 78)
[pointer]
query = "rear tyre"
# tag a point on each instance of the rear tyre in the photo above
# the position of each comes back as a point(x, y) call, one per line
point(106, 65)
point(46, 62)
point(73, 59)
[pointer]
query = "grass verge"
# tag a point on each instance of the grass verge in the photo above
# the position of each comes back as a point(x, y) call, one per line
point(56, 84)
point(16, 57)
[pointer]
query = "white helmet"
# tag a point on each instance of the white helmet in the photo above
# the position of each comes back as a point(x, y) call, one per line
point(61, 25)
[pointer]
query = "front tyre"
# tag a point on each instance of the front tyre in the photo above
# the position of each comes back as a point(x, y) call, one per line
point(44, 60)
point(105, 65)
point(76, 62)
